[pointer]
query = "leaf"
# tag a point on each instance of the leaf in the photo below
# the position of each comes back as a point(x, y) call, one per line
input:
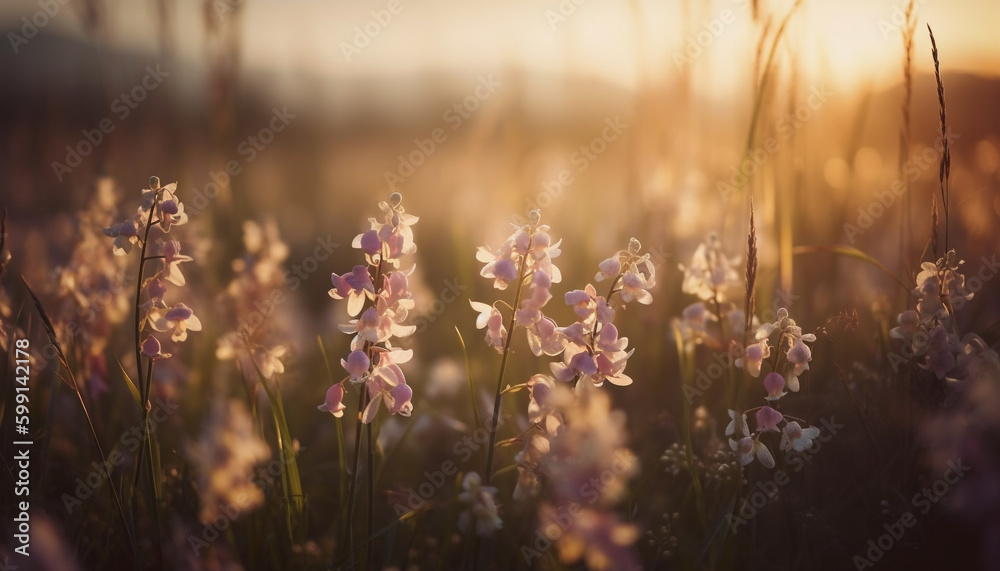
point(849, 252)
point(131, 385)
point(372, 409)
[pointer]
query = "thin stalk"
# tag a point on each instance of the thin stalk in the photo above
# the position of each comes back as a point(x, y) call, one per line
point(503, 368)
point(352, 497)
point(371, 496)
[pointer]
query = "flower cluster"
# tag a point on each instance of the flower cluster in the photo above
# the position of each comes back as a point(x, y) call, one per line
point(224, 457)
point(710, 271)
point(381, 305)
point(587, 467)
point(91, 288)
point(256, 287)
point(928, 331)
point(159, 209)
point(790, 360)
point(482, 510)
point(592, 350)
point(525, 259)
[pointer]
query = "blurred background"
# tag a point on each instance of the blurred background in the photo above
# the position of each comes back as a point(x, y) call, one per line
point(614, 119)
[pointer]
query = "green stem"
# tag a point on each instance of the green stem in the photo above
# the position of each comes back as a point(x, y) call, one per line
point(503, 368)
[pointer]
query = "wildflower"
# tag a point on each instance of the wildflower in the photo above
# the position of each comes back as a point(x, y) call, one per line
point(171, 211)
point(172, 258)
point(544, 337)
point(710, 271)
point(635, 286)
point(178, 320)
point(753, 357)
point(268, 361)
point(355, 287)
point(390, 239)
point(151, 349)
point(530, 245)
point(125, 234)
point(597, 537)
point(384, 382)
point(941, 350)
point(737, 424)
point(774, 384)
point(357, 364)
point(492, 320)
point(334, 403)
point(748, 447)
point(540, 389)
point(482, 510)
point(768, 419)
point(609, 269)
point(224, 456)
point(794, 437)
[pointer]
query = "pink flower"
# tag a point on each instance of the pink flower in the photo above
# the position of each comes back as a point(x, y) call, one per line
point(768, 419)
point(357, 365)
point(753, 357)
point(151, 349)
point(544, 337)
point(491, 318)
point(398, 400)
point(634, 287)
point(334, 403)
point(774, 384)
point(584, 303)
point(609, 269)
point(540, 388)
point(354, 287)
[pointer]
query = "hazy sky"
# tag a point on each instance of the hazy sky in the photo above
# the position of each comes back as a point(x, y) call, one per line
point(849, 42)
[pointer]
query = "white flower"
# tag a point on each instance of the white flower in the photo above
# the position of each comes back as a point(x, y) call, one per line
point(737, 425)
point(490, 318)
point(748, 447)
point(794, 437)
point(172, 258)
point(178, 320)
point(482, 510)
